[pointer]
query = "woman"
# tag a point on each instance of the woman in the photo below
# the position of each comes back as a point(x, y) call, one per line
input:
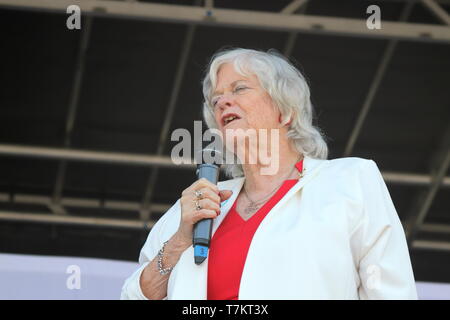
point(316, 229)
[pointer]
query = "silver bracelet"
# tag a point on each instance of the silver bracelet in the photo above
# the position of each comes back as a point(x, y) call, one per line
point(162, 270)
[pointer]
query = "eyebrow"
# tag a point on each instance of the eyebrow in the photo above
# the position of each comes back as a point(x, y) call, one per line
point(231, 85)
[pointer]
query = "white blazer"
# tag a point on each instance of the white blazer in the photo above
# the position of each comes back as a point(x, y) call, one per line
point(334, 235)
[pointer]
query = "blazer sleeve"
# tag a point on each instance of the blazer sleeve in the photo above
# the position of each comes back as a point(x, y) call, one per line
point(384, 264)
point(131, 289)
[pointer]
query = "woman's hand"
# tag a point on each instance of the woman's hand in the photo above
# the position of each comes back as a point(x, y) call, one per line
point(210, 203)
point(153, 284)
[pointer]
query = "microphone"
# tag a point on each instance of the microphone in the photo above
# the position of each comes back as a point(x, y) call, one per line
point(208, 169)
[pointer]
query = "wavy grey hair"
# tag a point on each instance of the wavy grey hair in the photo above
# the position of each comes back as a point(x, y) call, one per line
point(287, 88)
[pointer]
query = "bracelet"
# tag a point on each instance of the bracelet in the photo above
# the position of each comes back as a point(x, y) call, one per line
point(162, 271)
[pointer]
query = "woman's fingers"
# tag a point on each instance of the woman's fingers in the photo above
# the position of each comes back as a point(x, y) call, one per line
point(203, 183)
point(225, 194)
point(208, 197)
point(204, 214)
point(208, 204)
point(209, 194)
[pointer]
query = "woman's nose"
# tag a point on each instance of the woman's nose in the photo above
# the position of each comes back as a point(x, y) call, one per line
point(226, 100)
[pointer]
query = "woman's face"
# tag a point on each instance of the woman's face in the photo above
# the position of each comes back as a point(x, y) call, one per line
point(244, 98)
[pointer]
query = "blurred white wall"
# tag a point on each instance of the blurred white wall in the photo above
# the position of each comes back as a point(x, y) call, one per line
point(46, 277)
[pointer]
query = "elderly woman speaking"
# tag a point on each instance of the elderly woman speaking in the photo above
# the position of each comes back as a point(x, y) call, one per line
point(315, 229)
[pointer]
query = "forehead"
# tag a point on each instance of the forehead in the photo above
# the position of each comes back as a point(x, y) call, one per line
point(227, 70)
point(227, 75)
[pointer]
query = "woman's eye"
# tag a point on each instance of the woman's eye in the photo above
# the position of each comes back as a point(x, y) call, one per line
point(237, 89)
point(240, 88)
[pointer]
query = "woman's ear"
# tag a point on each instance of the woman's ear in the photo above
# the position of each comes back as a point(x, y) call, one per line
point(280, 120)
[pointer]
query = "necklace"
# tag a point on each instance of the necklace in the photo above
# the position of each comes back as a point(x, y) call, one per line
point(254, 205)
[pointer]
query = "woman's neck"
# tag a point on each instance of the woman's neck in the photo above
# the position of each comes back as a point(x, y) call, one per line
point(258, 183)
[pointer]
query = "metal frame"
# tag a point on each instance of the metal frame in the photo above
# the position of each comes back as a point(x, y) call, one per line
point(71, 114)
point(93, 156)
point(241, 18)
point(130, 159)
point(439, 165)
point(433, 245)
point(437, 11)
point(149, 190)
point(379, 74)
point(295, 7)
point(73, 220)
point(45, 201)
point(292, 19)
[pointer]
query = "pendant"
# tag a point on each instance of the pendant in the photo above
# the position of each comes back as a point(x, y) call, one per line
point(251, 208)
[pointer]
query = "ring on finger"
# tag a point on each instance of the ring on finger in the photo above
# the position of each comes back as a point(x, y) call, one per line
point(197, 205)
point(199, 194)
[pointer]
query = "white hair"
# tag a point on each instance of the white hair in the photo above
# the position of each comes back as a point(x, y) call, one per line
point(287, 88)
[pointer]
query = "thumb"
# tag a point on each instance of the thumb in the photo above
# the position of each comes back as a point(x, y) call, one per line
point(225, 194)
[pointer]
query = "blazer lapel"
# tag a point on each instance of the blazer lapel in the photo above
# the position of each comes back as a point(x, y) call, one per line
point(311, 168)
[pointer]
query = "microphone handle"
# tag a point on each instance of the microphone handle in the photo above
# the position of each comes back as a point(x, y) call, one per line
point(203, 228)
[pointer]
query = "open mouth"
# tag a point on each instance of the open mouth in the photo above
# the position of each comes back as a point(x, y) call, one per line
point(228, 119)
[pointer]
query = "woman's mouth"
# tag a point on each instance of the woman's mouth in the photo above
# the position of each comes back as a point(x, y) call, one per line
point(229, 120)
point(226, 120)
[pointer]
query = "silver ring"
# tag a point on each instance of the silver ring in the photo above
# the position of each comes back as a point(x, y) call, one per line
point(199, 194)
point(197, 205)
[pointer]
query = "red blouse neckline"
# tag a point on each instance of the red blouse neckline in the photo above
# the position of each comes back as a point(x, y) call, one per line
point(285, 186)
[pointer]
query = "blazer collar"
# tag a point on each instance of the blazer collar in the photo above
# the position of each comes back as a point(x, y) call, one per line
point(188, 280)
point(310, 167)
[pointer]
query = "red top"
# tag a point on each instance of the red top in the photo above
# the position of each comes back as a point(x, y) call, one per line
point(230, 243)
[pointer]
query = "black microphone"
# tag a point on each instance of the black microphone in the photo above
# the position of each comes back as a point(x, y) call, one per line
point(211, 158)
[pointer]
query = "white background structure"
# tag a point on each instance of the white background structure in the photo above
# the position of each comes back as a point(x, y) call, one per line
point(44, 277)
